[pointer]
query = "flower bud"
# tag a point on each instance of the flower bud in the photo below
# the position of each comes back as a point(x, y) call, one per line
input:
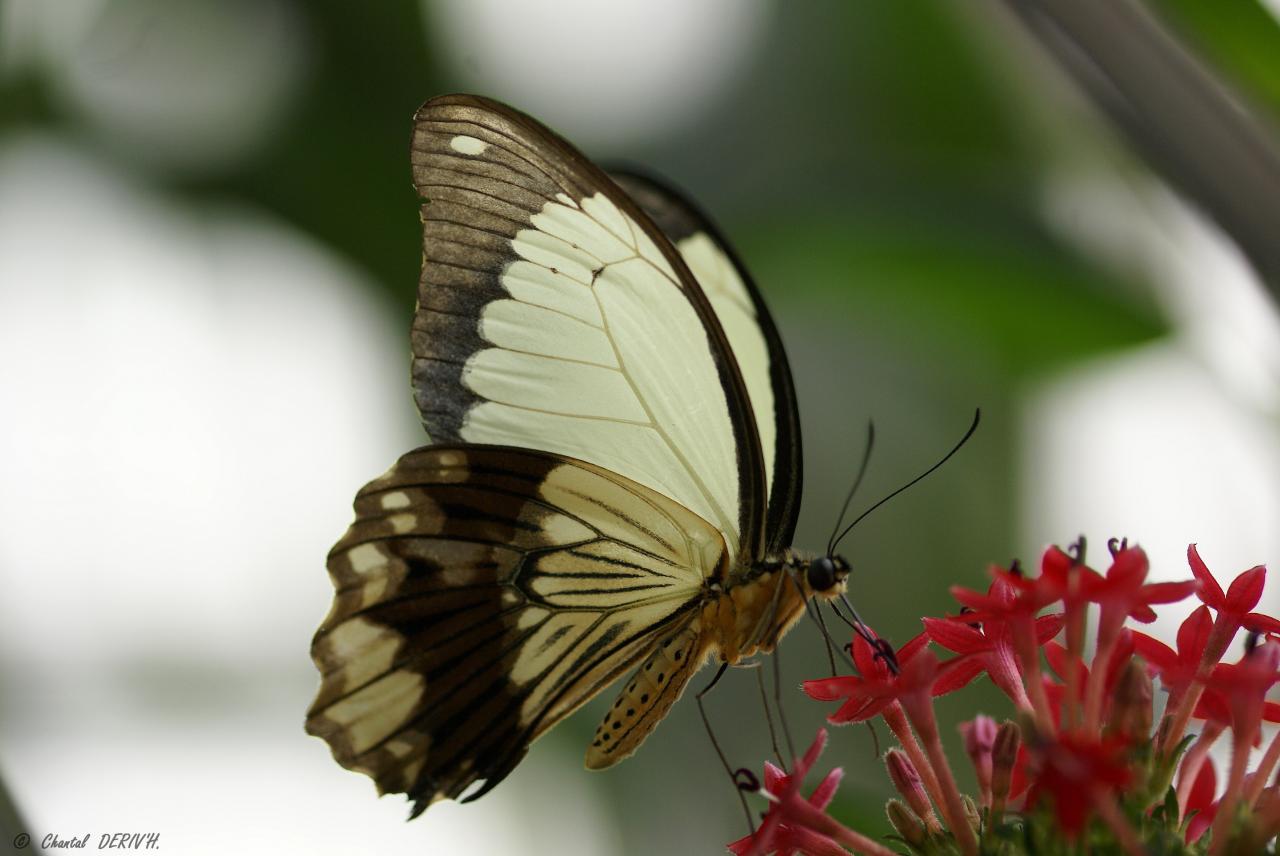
point(971, 812)
point(908, 825)
point(1131, 703)
point(979, 738)
point(1004, 754)
point(906, 779)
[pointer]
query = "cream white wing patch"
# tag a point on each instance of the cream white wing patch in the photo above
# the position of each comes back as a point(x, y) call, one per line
point(736, 312)
point(752, 337)
point(599, 355)
point(483, 594)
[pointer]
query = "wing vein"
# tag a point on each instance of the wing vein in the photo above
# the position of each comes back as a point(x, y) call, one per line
point(726, 523)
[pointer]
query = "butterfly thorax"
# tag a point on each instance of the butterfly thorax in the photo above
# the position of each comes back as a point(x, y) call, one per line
point(757, 606)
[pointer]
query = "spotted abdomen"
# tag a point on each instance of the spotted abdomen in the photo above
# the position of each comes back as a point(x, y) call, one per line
point(647, 697)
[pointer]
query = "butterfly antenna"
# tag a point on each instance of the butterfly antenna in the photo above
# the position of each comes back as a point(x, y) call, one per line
point(857, 480)
point(840, 615)
point(977, 416)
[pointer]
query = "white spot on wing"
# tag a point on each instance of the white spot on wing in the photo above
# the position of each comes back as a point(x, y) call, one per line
point(364, 650)
point(396, 499)
point(467, 145)
point(402, 523)
point(378, 710)
point(365, 558)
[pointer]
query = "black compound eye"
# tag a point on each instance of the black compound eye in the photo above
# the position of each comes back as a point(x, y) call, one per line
point(821, 574)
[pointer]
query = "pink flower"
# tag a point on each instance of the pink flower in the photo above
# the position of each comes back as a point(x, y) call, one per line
point(1244, 685)
point(1235, 604)
point(1178, 668)
point(784, 831)
point(876, 689)
point(1125, 592)
point(989, 648)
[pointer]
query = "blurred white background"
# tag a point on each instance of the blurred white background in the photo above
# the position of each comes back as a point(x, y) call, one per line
point(194, 383)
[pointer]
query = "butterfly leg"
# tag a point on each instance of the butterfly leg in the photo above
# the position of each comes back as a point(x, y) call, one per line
point(706, 722)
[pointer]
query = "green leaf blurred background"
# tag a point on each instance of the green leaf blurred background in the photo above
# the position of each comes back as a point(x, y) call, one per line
point(208, 259)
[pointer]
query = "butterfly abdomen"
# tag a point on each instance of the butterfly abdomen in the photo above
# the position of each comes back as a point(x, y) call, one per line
point(647, 697)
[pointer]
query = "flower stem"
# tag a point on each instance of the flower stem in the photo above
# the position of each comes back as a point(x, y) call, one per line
point(822, 823)
point(1077, 619)
point(919, 709)
point(897, 722)
point(1193, 761)
point(1227, 807)
point(1109, 625)
point(1263, 772)
point(1172, 728)
point(1024, 640)
point(1111, 815)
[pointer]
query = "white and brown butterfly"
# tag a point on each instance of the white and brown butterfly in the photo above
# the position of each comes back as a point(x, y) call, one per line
point(614, 483)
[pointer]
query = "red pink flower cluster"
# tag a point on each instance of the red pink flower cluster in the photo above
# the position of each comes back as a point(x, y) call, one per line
point(1083, 763)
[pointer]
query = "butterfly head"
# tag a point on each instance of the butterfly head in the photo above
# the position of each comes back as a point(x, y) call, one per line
point(827, 575)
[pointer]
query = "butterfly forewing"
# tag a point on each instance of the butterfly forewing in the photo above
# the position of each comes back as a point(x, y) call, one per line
point(483, 594)
point(757, 347)
point(553, 314)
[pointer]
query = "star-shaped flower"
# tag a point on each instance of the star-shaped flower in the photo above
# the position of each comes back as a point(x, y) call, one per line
point(782, 832)
point(869, 694)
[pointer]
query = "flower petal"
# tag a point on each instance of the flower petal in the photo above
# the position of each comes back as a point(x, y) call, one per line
point(912, 647)
point(775, 779)
point(802, 765)
point(958, 676)
point(1259, 623)
point(826, 790)
point(954, 636)
point(1210, 592)
point(1143, 613)
point(1193, 633)
point(1246, 590)
point(830, 689)
point(1159, 656)
point(1047, 626)
point(1169, 592)
point(1129, 567)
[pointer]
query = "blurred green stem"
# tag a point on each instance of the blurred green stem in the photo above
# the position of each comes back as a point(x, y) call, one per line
point(12, 824)
point(1182, 118)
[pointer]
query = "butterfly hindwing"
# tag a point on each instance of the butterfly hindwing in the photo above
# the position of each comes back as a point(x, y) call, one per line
point(483, 594)
point(553, 314)
point(749, 327)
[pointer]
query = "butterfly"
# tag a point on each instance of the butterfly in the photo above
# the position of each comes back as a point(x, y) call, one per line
point(613, 483)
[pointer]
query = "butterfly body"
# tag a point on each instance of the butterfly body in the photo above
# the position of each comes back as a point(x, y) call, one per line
point(751, 615)
point(614, 483)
